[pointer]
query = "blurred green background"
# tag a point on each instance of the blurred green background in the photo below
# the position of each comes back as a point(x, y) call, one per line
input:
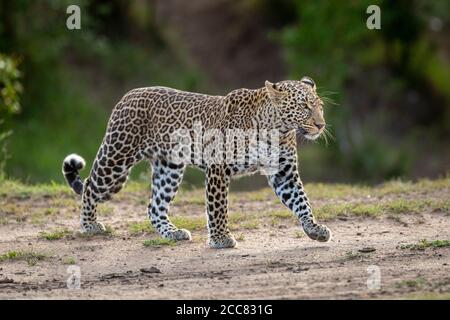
point(388, 90)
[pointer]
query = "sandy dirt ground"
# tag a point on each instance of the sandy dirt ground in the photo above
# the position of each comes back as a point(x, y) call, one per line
point(272, 260)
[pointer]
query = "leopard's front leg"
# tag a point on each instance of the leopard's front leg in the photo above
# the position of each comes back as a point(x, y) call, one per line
point(217, 184)
point(289, 188)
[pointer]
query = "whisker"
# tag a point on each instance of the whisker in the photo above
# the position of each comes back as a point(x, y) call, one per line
point(328, 93)
point(329, 134)
point(329, 101)
point(324, 137)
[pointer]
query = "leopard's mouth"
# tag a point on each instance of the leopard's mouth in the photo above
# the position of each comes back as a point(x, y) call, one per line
point(310, 136)
point(302, 131)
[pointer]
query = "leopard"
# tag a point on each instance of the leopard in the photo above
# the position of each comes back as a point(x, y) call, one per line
point(142, 127)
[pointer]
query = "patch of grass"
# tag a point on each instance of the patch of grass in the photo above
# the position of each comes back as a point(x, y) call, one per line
point(299, 234)
point(392, 198)
point(366, 210)
point(195, 197)
point(412, 283)
point(182, 222)
point(159, 242)
point(55, 234)
point(109, 232)
point(135, 186)
point(11, 208)
point(237, 217)
point(41, 216)
point(249, 225)
point(422, 186)
point(446, 205)
point(375, 209)
point(335, 191)
point(350, 255)
point(61, 193)
point(430, 296)
point(397, 219)
point(400, 206)
point(427, 184)
point(423, 244)
point(140, 227)
point(330, 211)
point(50, 211)
point(69, 260)
point(394, 187)
point(280, 214)
point(240, 220)
point(31, 257)
point(10, 255)
point(347, 209)
point(441, 205)
point(64, 202)
point(240, 237)
point(16, 189)
point(190, 223)
point(21, 219)
point(274, 222)
point(105, 210)
point(198, 238)
point(265, 194)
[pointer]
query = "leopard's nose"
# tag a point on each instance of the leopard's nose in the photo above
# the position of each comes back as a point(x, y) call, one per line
point(319, 125)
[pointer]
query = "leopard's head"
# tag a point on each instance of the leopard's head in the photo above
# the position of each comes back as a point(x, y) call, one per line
point(299, 106)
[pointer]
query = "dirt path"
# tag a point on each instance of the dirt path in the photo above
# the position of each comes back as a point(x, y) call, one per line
point(273, 259)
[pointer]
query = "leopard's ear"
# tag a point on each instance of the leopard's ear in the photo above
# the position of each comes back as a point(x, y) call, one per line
point(275, 94)
point(309, 81)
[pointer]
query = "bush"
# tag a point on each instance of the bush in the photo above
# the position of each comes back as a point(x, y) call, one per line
point(371, 73)
point(10, 88)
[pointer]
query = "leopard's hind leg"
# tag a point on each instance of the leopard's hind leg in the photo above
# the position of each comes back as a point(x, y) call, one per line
point(166, 179)
point(108, 175)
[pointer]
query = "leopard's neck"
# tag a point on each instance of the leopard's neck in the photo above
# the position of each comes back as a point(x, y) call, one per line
point(251, 109)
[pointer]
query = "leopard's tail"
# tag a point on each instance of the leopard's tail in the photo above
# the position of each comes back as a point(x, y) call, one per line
point(71, 165)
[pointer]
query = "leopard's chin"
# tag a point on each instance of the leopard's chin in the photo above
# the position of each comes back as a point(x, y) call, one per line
point(312, 136)
point(307, 135)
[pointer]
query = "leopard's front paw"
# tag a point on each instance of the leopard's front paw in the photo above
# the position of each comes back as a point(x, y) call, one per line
point(179, 234)
point(92, 227)
point(318, 232)
point(221, 241)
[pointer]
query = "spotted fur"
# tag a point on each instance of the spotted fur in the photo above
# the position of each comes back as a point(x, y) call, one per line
point(142, 125)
